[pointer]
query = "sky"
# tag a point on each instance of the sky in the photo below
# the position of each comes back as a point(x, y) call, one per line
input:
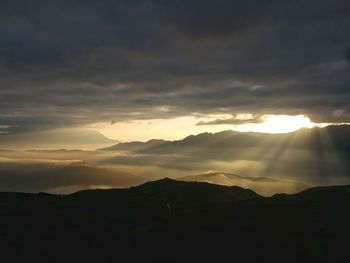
point(142, 69)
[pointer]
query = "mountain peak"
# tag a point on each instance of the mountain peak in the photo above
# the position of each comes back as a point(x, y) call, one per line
point(203, 192)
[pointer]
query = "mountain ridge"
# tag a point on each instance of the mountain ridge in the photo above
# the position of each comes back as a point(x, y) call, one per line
point(219, 137)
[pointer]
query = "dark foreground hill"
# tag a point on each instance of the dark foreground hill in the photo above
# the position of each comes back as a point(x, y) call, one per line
point(171, 221)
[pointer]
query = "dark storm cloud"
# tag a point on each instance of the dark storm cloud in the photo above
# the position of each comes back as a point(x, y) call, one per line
point(66, 63)
point(347, 54)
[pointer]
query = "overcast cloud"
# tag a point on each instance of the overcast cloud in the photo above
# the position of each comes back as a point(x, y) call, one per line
point(73, 63)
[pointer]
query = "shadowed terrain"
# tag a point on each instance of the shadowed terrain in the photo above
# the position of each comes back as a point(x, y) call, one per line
point(173, 221)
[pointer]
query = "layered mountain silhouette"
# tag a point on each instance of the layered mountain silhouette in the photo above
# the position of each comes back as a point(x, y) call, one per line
point(261, 185)
point(172, 221)
point(314, 138)
point(315, 156)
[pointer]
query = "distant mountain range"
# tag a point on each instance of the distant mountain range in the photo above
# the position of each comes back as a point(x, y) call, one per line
point(172, 221)
point(270, 163)
point(315, 156)
point(136, 146)
point(314, 138)
point(56, 139)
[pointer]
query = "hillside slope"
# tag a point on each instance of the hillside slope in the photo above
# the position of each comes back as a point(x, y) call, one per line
point(170, 221)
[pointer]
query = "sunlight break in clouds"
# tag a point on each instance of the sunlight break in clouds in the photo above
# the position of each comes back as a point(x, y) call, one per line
point(143, 130)
point(281, 124)
point(178, 128)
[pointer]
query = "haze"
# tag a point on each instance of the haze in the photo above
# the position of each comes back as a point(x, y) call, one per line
point(212, 91)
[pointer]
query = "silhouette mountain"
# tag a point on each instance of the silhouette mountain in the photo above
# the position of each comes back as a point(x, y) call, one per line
point(135, 146)
point(313, 138)
point(171, 221)
point(315, 156)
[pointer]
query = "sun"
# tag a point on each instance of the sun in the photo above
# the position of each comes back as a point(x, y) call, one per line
point(284, 123)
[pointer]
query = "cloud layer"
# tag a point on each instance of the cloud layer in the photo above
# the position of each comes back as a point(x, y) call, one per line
point(72, 63)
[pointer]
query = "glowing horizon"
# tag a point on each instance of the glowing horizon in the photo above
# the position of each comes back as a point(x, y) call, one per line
point(180, 127)
point(280, 124)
